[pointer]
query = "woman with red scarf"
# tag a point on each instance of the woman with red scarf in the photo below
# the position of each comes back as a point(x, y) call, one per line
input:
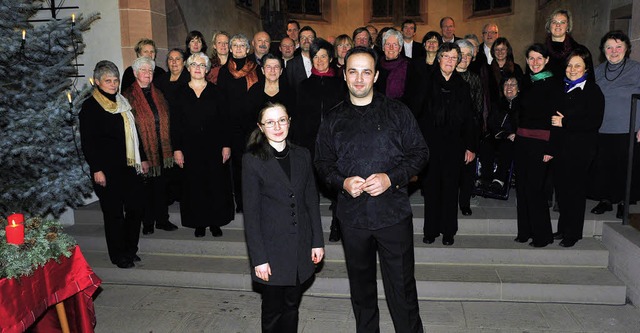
point(316, 96)
point(151, 112)
point(234, 81)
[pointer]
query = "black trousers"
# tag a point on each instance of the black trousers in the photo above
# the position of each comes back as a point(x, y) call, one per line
point(122, 211)
point(571, 170)
point(440, 189)
point(394, 246)
point(467, 175)
point(280, 306)
point(498, 152)
point(532, 210)
point(236, 170)
point(156, 208)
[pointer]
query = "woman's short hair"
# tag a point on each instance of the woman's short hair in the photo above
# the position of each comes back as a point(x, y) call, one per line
point(342, 39)
point(505, 42)
point(192, 35)
point(193, 57)
point(446, 47)
point(509, 76)
point(320, 44)
point(564, 12)
point(583, 53)
point(430, 35)
point(241, 38)
point(138, 63)
point(105, 67)
point(537, 47)
point(271, 56)
point(473, 37)
point(258, 145)
point(616, 35)
point(143, 42)
point(465, 43)
point(392, 32)
point(358, 31)
point(175, 49)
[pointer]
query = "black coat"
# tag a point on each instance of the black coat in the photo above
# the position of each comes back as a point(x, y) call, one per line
point(281, 216)
point(128, 78)
point(316, 96)
point(295, 72)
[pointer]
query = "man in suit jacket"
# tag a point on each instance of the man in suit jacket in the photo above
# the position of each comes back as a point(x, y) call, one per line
point(490, 33)
point(412, 49)
point(299, 68)
point(448, 28)
point(367, 149)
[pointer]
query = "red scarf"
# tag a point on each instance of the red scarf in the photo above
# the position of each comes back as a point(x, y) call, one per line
point(146, 124)
point(248, 71)
point(331, 72)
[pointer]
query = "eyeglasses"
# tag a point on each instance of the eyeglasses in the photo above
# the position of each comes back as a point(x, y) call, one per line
point(467, 55)
point(195, 64)
point(307, 38)
point(448, 57)
point(272, 123)
point(490, 33)
point(392, 45)
point(240, 46)
point(554, 22)
point(145, 70)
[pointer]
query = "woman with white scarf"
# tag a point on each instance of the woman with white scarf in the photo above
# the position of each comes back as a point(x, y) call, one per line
point(111, 147)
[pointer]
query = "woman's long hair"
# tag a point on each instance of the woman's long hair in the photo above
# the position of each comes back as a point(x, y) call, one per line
point(258, 145)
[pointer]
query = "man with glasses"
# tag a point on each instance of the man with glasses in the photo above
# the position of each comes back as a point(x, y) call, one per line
point(287, 48)
point(299, 68)
point(448, 28)
point(489, 35)
point(368, 149)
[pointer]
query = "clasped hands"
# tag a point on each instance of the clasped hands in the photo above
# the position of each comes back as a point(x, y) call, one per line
point(375, 184)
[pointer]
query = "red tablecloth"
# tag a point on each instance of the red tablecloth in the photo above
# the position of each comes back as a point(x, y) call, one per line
point(24, 300)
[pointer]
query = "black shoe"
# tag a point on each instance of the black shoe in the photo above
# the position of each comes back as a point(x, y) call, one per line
point(602, 207)
point(556, 207)
point(466, 211)
point(135, 258)
point(125, 263)
point(447, 240)
point(620, 211)
point(540, 244)
point(147, 230)
point(428, 240)
point(568, 243)
point(200, 231)
point(216, 231)
point(167, 226)
point(558, 235)
point(520, 239)
point(238, 209)
point(335, 235)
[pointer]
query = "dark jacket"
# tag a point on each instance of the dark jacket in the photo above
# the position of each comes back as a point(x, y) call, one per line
point(382, 137)
point(583, 110)
point(295, 72)
point(417, 51)
point(539, 101)
point(128, 78)
point(281, 216)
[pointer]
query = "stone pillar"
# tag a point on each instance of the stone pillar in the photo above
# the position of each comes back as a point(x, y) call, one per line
point(143, 19)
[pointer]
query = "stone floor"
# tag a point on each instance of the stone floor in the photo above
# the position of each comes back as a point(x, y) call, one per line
point(127, 308)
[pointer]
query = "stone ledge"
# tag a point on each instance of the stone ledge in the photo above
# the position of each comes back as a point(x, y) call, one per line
point(623, 242)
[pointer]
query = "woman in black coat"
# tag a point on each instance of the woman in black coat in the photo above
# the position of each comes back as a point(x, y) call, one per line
point(272, 89)
point(541, 92)
point(111, 146)
point(201, 138)
point(578, 120)
point(446, 119)
point(281, 218)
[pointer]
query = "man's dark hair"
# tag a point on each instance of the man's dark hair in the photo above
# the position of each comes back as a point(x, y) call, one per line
point(319, 44)
point(445, 18)
point(293, 22)
point(360, 50)
point(409, 21)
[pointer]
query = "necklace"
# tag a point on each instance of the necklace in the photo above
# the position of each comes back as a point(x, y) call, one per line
point(282, 157)
point(606, 69)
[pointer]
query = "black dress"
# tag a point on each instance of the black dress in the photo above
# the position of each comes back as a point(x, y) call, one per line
point(199, 128)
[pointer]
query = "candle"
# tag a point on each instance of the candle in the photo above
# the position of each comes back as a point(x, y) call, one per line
point(24, 34)
point(91, 80)
point(69, 96)
point(19, 218)
point(15, 233)
point(73, 18)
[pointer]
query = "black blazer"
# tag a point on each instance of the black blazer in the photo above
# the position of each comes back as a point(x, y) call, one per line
point(417, 51)
point(281, 216)
point(295, 72)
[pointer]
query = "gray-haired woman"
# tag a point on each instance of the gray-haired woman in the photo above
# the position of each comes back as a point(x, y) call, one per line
point(201, 138)
point(111, 148)
point(151, 112)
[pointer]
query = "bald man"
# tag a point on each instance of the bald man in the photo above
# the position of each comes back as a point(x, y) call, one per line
point(260, 45)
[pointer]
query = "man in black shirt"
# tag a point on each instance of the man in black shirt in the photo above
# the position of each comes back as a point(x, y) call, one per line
point(368, 147)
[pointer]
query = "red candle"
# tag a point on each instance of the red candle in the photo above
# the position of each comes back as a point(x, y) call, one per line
point(19, 218)
point(15, 233)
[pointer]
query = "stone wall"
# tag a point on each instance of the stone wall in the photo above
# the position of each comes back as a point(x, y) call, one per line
point(623, 243)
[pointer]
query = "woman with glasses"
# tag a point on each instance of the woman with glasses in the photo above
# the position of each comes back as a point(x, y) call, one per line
point(271, 90)
point(281, 219)
point(342, 44)
point(318, 94)
point(559, 41)
point(201, 138)
point(392, 67)
point(445, 115)
point(151, 112)
point(503, 64)
point(234, 81)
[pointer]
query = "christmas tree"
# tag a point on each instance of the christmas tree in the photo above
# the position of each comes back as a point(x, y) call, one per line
point(41, 169)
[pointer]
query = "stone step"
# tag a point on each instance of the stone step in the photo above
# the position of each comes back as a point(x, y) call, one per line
point(468, 249)
point(591, 285)
point(493, 217)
